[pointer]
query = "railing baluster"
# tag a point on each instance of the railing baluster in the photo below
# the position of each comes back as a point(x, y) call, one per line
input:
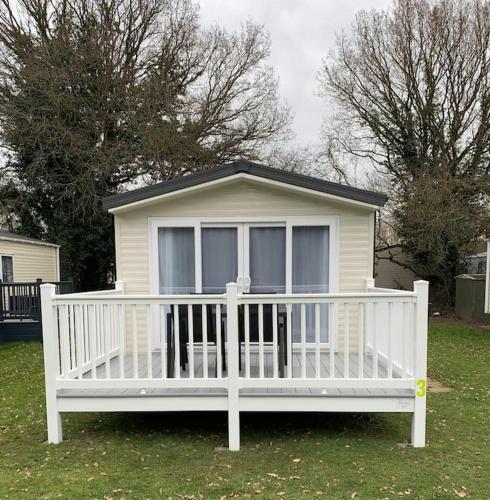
point(122, 340)
point(96, 326)
point(219, 360)
point(73, 353)
point(289, 341)
point(135, 341)
point(275, 373)
point(246, 313)
point(106, 330)
point(331, 353)
point(81, 332)
point(407, 326)
point(375, 343)
point(390, 343)
point(149, 352)
point(163, 340)
point(98, 336)
point(346, 340)
point(261, 341)
point(112, 325)
point(411, 341)
point(317, 341)
point(86, 344)
point(204, 341)
point(65, 348)
point(177, 342)
point(303, 340)
point(191, 340)
point(93, 339)
point(362, 330)
point(78, 338)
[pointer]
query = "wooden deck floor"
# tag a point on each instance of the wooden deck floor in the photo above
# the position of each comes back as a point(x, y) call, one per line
point(339, 367)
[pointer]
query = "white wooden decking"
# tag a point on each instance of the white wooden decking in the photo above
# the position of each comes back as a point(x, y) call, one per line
point(93, 360)
point(114, 371)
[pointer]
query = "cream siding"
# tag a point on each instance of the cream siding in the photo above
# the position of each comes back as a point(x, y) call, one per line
point(32, 261)
point(245, 199)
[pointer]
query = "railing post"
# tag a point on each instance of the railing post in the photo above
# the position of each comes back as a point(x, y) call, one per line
point(51, 363)
point(421, 288)
point(369, 283)
point(121, 335)
point(369, 320)
point(233, 367)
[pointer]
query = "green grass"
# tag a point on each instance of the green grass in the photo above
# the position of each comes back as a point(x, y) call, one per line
point(292, 456)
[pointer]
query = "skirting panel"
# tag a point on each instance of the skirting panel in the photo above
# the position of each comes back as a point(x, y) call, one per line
point(246, 403)
point(330, 404)
point(130, 404)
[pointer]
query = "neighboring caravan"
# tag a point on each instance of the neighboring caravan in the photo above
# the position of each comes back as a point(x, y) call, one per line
point(26, 259)
point(241, 288)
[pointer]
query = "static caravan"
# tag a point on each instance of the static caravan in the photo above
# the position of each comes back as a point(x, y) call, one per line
point(26, 259)
point(24, 264)
point(242, 288)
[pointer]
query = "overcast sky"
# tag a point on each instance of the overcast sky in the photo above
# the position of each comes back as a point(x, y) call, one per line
point(302, 32)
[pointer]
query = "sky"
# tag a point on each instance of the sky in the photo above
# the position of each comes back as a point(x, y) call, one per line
point(302, 33)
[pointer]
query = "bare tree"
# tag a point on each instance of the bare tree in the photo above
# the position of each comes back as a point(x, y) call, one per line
point(96, 94)
point(412, 91)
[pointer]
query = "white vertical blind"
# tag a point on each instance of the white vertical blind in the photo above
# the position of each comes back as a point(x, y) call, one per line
point(219, 258)
point(176, 260)
point(267, 259)
point(310, 274)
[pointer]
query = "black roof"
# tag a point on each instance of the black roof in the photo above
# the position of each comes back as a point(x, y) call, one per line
point(251, 168)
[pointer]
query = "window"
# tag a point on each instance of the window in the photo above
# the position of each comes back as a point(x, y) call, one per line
point(267, 259)
point(310, 259)
point(7, 269)
point(310, 275)
point(177, 274)
point(219, 258)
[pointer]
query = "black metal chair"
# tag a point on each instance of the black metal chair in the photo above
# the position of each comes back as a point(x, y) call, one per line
point(184, 334)
point(267, 331)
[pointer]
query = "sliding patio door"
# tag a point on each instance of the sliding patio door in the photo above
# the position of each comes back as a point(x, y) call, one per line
point(219, 251)
point(310, 274)
point(262, 258)
point(265, 259)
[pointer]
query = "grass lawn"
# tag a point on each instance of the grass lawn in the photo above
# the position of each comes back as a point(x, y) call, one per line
point(292, 456)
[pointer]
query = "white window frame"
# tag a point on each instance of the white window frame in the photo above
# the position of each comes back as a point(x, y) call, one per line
point(332, 221)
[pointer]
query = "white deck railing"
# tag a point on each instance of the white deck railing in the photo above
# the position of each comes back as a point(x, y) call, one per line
point(374, 339)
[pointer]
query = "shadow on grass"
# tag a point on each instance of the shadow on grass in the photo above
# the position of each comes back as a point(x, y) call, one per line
point(212, 425)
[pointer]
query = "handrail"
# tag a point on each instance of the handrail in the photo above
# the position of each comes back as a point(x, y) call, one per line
point(120, 298)
point(117, 296)
point(393, 291)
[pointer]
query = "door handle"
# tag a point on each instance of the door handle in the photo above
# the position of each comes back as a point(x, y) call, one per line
point(247, 283)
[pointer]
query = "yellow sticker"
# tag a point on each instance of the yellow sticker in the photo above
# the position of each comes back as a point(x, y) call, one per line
point(422, 387)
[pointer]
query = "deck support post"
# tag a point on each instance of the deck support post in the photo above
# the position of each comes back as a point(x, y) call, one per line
point(421, 288)
point(233, 367)
point(51, 363)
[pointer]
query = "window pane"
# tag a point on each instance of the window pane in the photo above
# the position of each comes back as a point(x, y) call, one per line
point(219, 258)
point(310, 259)
point(7, 269)
point(310, 275)
point(267, 259)
point(176, 259)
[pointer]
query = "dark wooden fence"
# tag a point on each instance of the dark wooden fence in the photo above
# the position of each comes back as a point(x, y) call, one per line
point(22, 301)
